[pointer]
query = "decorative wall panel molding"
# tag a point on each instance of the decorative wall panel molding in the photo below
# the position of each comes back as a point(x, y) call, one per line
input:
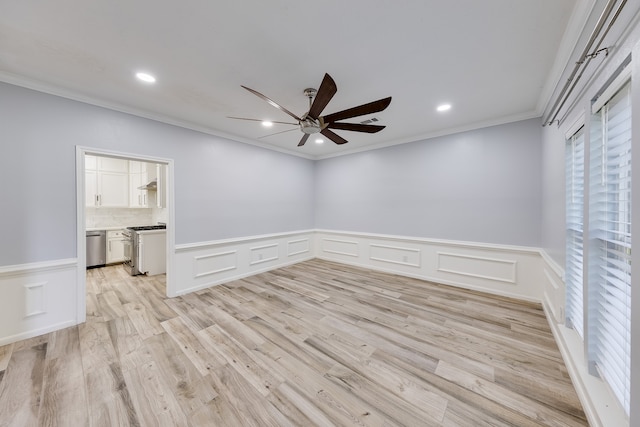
point(206, 265)
point(264, 253)
point(201, 265)
point(553, 287)
point(395, 254)
point(298, 246)
point(340, 247)
point(501, 270)
point(37, 298)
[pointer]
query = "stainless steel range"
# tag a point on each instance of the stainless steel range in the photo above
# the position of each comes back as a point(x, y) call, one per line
point(131, 252)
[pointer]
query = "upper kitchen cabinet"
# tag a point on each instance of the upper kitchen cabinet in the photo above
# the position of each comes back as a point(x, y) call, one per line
point(147, 185)
point(106, 182)
point(138, 177)
point(159, 196)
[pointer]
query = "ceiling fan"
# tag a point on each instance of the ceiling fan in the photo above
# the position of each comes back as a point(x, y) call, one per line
point(312, 122)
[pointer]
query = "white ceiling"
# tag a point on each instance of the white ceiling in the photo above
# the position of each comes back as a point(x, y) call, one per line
point(493, 60)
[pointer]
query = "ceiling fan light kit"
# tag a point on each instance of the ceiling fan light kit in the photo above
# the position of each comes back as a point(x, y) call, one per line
point(312, 122)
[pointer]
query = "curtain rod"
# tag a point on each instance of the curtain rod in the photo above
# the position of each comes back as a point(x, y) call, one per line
point(585, 58)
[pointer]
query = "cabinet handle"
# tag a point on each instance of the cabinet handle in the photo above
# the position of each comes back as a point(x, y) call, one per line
point(109, 245)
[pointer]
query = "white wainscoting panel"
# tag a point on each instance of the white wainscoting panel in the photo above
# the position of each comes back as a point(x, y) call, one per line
point(37, 298)
point(264, 253)
point(395, 255)
point(499, 269)
point(553, 288)
point(340, 247)
point(298, 246)
point(201, 265)
point(211, 264)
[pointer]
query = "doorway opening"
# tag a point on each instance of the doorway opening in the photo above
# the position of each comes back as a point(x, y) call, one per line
point(116, 191)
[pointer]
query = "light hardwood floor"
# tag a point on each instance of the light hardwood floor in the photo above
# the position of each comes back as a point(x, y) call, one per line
point(316, 343)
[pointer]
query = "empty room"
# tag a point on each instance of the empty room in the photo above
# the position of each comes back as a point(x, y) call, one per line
point(342, 213)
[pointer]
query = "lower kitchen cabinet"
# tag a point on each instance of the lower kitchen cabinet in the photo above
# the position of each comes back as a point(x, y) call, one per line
point(115, 246)
point(152, 252)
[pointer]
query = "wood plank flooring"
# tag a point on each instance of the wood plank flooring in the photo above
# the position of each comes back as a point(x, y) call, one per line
point(313, 344)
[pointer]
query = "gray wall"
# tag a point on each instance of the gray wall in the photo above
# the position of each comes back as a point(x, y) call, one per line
point(223, 189)
point(482, 186)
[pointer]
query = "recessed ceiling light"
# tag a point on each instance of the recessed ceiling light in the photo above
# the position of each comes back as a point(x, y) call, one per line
point(146, 77)
point(443, 107)
point(267, 123)
point(319, 141)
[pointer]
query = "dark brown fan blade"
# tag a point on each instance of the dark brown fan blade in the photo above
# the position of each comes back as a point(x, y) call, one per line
point(327, 89)
point(259, 120)
point(272, 102)
point(303, 140)
point(360, 110)
point(333, 136)
point(356, 127)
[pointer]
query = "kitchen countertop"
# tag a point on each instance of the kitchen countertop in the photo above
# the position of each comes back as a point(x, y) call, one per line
point(158, 231)
point(105, 228)
point(115, 227)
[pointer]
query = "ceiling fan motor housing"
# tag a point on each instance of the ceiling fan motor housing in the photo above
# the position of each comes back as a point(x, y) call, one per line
point(310, 126)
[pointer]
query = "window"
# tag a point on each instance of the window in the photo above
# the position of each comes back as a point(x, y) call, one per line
point(574, 157)
point(609, 260)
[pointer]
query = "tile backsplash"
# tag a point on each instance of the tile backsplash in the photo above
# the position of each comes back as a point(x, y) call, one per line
point(122, 217)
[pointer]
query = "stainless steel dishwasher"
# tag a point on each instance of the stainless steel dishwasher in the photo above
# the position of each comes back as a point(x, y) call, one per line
point(96, 248)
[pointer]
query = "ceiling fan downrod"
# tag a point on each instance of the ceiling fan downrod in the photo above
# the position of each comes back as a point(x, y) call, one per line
point(309, 125)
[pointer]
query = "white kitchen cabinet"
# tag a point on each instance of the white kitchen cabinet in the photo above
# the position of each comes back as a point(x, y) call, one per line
point(110, 164)
point(161, 192)
point(113, 189)
point(115, 246)
point(137, 178)
point(141, 174)
point(152, 252)
point(90, 162)
point(107, 185)
point(91, 188)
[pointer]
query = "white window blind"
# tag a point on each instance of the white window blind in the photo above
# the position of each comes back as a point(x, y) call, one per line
point(574, 157)
point(609, 263)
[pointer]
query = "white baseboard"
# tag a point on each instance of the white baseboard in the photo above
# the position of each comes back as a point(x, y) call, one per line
point(598, 402)
point(37, 298)
point(36, 332)
point(600, 405)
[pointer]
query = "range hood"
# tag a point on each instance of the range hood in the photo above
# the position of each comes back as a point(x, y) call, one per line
point(152, 185)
